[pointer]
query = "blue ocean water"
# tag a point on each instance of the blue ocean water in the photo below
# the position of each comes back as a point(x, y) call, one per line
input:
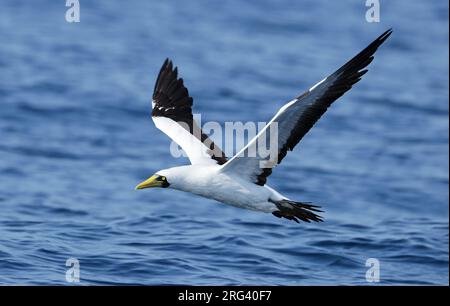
point(76, 137)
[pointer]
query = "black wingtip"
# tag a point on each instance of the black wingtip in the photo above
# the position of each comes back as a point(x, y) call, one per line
point(379, 41)
point(387, 32)
point(385, 36)
point(166, 67)
point(166, 63)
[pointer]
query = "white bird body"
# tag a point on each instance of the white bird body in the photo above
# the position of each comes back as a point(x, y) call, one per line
point(211, 182)
point(241, 180)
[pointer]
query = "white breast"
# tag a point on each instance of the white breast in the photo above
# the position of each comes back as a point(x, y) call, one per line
point(208, 182)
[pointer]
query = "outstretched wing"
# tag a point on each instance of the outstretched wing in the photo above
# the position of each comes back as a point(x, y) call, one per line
point(172, 114)
point(297, 117)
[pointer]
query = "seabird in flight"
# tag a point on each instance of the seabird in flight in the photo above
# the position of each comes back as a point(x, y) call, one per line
point(241, 180)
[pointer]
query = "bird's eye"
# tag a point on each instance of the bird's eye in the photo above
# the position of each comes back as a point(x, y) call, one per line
point(163, 178)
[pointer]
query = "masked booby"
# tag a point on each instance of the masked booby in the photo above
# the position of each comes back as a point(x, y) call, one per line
point(241, 180)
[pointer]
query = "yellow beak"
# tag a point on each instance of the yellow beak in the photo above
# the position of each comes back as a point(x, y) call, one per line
point(150, 183)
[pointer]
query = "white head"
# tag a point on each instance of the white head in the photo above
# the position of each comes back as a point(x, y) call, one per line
point(163, 178)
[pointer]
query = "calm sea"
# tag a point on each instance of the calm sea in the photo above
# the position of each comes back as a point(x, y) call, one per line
point(76, 137)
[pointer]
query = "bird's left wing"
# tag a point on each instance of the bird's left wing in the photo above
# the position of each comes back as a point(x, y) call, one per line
point(172, 114)
point(296, 118)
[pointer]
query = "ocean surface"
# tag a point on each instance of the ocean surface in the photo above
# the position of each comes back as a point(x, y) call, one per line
point(76, 137)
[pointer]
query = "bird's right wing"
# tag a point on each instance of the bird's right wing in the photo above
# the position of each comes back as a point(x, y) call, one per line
point(296, 118)
point(172, 114)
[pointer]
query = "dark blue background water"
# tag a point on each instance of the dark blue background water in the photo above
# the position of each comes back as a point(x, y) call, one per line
point(76, 137)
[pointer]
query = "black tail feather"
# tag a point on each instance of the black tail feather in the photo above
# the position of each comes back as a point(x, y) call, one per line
point(297, 210)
